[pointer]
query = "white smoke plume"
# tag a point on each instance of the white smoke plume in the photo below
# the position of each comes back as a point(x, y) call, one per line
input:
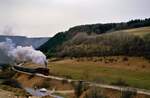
point(22, 54)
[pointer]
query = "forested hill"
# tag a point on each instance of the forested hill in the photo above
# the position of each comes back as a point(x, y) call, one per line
point(56, 45)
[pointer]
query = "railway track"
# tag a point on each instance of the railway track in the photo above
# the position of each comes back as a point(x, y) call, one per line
point(139, 91)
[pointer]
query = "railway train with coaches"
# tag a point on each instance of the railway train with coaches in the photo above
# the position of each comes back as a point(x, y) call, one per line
point(44, 71)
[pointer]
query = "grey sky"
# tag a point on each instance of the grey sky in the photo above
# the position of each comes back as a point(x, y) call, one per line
point(47, 17)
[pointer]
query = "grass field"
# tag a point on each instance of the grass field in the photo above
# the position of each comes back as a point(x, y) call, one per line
point(135, 71)
point(137, 31)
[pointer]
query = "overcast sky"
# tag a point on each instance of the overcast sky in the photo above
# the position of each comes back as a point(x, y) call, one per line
point(47, 17)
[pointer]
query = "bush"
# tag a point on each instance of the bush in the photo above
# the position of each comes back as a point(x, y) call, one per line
point(120, 82)
point(45, 84)
point(125, 59)
point(129, 93)
point(94, 93)
point(12, 83)
point(79, 88)
point(147, 45)
point(64, 81)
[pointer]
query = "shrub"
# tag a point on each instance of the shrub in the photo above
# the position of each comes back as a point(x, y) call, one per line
point(120, 82)
point(79, 88)
point(12, 83)
point(45, 84)
point(64, 81)
point(125, 59)
point(129, 93)
point(94, 93)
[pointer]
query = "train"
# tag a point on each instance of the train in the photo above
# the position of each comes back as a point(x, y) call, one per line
point(44, 71)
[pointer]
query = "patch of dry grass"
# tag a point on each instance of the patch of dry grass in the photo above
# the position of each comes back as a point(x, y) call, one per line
point(135, 71)
point(137, 31)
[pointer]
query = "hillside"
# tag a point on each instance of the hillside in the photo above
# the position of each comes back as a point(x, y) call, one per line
point(101, 40)
point(23, 41)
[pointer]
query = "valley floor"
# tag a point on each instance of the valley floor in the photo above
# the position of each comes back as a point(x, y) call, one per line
point(132, 71)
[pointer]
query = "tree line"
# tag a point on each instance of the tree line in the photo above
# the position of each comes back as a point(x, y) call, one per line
point(110, 44)
point(108, 27)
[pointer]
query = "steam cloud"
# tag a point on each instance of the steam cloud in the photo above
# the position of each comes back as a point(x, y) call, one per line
point(22, 54)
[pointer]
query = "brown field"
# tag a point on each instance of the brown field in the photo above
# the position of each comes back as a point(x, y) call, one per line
point(135, 71)
point(132, 63)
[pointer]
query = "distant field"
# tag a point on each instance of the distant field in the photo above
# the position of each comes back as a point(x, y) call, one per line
point(135, 71)
point(137, 31)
